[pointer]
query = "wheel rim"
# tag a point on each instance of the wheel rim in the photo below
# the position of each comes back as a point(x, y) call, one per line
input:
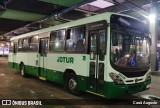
point(22, 70)
point(72, 84)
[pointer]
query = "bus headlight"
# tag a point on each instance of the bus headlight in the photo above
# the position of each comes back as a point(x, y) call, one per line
point(117, 79)
point(148, 76)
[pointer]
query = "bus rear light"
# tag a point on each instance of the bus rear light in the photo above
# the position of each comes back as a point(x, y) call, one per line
point(117, 79)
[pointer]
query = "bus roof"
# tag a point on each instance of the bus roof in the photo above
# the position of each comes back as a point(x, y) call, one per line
point(103, 16)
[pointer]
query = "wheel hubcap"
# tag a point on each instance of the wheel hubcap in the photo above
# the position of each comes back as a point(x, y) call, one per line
point(72, 84)
point(22, 71)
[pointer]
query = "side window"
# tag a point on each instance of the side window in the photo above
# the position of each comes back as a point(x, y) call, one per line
point(11, 46)
point(75, 41)
point(43, 49)
point(102, 49)
point(33, 46)
point(20, 45)
point(57, 41)
point(15, 47)
point(25, 45)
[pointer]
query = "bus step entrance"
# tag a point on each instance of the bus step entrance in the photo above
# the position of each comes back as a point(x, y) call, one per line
point(42, 78)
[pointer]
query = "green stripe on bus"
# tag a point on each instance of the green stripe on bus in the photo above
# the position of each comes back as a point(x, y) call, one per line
point(10, 64)
point(110, 90)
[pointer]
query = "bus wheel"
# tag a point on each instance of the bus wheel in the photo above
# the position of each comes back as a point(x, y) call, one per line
point(22, 71)
point(71, 84)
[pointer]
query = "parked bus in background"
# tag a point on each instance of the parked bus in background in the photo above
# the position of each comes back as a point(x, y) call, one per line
point(1, 51)
point(6, 51)
point(106, 54)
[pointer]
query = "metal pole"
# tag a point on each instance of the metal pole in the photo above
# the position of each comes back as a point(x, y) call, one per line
point(154, 35)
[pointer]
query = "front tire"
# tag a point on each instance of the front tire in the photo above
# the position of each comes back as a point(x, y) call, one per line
point(71, 84)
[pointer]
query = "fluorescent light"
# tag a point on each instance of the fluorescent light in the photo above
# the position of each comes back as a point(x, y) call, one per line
point(101, 3)
point(152, 17)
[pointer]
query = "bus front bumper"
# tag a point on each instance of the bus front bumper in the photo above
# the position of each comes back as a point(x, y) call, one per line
point(115, 91)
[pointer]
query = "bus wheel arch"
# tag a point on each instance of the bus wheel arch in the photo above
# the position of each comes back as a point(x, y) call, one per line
point(70, 81)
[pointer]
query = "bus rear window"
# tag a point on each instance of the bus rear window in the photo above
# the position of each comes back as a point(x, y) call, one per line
point(11, 46)
point(25, 45)
point(20, 45)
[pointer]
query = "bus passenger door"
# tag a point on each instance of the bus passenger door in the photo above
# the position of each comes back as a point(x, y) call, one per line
point(14, 54)
point(43, 50)
point(97, 46)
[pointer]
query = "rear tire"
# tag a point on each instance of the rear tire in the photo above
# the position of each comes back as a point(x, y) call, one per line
point(71, 84)
point(22, 70)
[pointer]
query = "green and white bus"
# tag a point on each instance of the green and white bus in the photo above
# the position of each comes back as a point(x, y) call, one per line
point(106, 54)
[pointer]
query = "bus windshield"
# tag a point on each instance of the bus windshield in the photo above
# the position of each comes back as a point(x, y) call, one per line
point(130, 44)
